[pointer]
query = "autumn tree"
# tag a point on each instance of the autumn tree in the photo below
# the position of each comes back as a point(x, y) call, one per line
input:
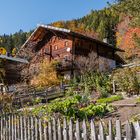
point(46, 75)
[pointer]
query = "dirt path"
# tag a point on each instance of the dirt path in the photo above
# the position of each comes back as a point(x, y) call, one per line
point(124, 113)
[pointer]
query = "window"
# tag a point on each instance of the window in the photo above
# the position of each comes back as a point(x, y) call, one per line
point(55, 47)
point(47, 50)
point(66, 58)
point(66, 44)
point(78, 43)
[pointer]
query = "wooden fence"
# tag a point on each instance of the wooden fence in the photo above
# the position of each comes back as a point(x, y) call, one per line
point(14, 127)
point(23, 97)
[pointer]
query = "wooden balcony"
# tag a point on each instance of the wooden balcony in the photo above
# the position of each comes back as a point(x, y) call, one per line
point(65, 66)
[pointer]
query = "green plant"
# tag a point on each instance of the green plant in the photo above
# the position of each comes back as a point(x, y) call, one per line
point(96, 81)
point(138, 100)
point(36, 101)
point(127, 80)
point(96, 110)
point(110, 99)
point(76, 107)
point(135, 118)
point(73, 87)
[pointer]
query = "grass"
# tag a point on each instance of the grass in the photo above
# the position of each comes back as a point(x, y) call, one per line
point(110, 99)
point(135, 118)
point(138, 100)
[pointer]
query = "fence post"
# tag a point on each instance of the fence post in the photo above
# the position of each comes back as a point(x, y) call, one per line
point(93, 131)
point(14, 126)
point(9, 127)
point(45, 131)
point(128, 131)
point(101, 131)
point(12, 123)
point(50, 130)
point(29, 128)
point(40, 130)
point(114, 86)
point(6, 126)
point(25, 129)
point(54, 129)
point(59, 130)
point(65, 132)
point(18, 127)
point(137, 130)
point(118, 130)
point(1, 127)
point(70, 130)
point(84, 130)
point(21, 128)
point(77, 130)
point(110, 130)
point(36, 129)
point(32, 128)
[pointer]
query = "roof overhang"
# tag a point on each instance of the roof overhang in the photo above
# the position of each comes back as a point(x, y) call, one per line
point(13, 59)
point(67, 31)
point(78, 35)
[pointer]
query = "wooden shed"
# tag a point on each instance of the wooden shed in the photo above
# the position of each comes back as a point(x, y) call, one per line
point(11, 67)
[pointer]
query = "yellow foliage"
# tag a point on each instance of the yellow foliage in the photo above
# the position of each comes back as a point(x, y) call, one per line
point(6, 102)
point(46, 77)
point(14, 51)
point(119, 38)
point(3, 51)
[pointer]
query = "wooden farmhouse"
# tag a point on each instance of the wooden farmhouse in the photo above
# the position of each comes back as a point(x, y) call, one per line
point(66, 46)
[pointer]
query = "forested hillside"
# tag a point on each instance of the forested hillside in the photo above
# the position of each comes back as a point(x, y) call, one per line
point(119, 23)
point(100, 23)
point(13, 40)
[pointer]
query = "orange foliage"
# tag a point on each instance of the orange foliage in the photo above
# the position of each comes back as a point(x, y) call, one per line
point(59, 24)
point(125, 38)
point(129, 44)
point(74, 26)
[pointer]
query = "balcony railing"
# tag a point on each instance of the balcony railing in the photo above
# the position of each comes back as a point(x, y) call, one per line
point(65, 66)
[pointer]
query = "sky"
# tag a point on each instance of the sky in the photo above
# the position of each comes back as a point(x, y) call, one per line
point(26, 14)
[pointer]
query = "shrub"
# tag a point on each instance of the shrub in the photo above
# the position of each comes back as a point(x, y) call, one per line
point(96, 81)
point(127, 80)
point(6, 101)
point(46, 76)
